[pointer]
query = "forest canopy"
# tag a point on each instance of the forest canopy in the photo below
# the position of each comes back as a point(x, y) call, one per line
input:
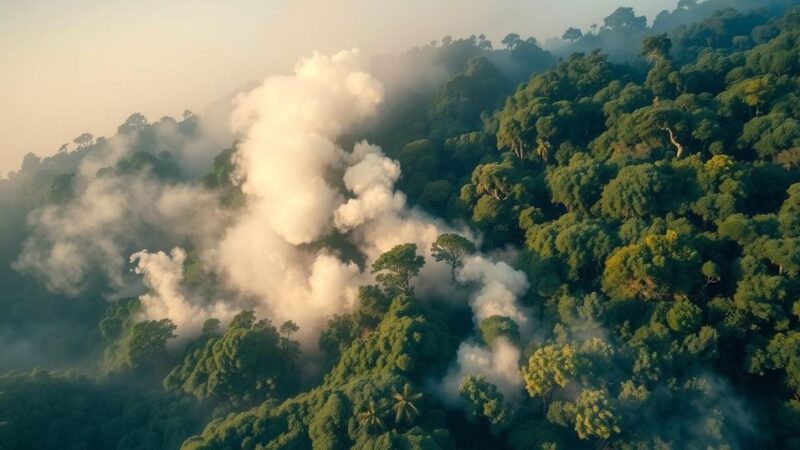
point(587, 245)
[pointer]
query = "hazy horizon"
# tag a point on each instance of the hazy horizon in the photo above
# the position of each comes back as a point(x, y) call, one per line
point(112, 59)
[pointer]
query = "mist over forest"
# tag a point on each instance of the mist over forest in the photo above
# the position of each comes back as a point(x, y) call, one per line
point(589, 242)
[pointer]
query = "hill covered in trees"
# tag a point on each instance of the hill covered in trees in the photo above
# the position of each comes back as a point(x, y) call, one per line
point(591, 246)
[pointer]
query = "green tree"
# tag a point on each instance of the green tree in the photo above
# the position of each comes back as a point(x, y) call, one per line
point(549, 366)
point(370, 419)
point(782, 352)
point(594, 415)
point(340, 332)
point(328, 429)
point(758, 91)
point(577, 244)
point(457, 107)
point(495, 327)
point(373, 304)
point(404, 407)
point(84, 140)
point(246, 364)
point(211, 326)
point(572, 34)
point(134, 123)
point(396, 267)
point(684, 316)
point(653, 269)
point(789, 213)
point(494, 179)
point(711, 271)
point(547, 111)
point(483, 400)
point(656, 48)
point(640, 191)
point(579, 184)
point(771, 134)
point(496, 196)
point(511, 40)
point(625, 18)
point(420, 161)
point(451, 248)
point(146, 347)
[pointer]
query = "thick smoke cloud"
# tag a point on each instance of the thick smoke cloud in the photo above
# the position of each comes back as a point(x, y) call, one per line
point(290, 125)
point(300, 187)
point(378, 218)
point(287, 153)
point(371, 179)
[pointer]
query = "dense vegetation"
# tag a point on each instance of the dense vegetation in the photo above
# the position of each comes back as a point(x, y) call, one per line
point(651, 187)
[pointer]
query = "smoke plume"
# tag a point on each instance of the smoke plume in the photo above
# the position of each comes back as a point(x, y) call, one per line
point(499, 364)
point(300, 186)
point(499, 287)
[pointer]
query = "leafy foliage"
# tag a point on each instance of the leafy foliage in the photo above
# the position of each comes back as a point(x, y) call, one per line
point(395, 268)
point(484, 401)
point(649, 190)
point(246, 364)
point(451, 248)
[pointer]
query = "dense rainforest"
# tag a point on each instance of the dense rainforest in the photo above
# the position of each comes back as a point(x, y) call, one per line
point(605, 253)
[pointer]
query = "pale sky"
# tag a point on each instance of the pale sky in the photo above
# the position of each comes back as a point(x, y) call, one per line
point(70, 66)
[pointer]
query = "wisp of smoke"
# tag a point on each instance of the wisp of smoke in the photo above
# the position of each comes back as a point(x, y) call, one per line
point(110, 215)
point(500, 286)
point(499, 364)
point(163, 274)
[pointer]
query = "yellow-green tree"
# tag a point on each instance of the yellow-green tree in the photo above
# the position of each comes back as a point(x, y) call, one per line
point(655, 268)
point(594, 415)
point(549, 366)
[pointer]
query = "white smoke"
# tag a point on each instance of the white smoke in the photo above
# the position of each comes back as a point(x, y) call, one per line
point(301, 186)
point(499, 364)
point(500, 286)
point(371, 179)
point(109, 216)
point(289, 161)
point(163, 274)
point(289, 126)
point(378, 218)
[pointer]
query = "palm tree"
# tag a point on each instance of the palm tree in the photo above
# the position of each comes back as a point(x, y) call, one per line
point(542, 149)
point(370, 418)
point(403, 407)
